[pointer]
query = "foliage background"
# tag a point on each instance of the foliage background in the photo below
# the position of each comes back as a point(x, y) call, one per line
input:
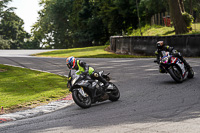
point(81, 23)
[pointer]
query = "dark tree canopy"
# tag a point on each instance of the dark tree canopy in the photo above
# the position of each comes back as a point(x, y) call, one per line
point(80, 23)
point(12, 33)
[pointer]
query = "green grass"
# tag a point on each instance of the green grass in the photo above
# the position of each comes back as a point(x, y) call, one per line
point(21, 88)
point(157, 30)
point(86, 52)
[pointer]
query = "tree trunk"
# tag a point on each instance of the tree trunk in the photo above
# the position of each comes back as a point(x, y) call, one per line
point(177, 18)
point(181, 5)
point(191, 8)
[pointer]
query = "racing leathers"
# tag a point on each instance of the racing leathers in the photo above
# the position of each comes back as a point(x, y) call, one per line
point(173, 52)
point(82, 68)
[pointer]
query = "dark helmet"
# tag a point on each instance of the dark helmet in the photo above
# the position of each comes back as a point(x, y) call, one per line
point(71, 62)
point(160, 44)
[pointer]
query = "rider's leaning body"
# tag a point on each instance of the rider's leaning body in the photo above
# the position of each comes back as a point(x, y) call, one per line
point(83, 68)
point(165, 48)
point(162, 47)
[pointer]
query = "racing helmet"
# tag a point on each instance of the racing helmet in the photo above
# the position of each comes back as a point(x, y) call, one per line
point(71, 62)
point(160, 44)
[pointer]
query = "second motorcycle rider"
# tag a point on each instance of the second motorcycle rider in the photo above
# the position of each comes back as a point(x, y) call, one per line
point(160, 47)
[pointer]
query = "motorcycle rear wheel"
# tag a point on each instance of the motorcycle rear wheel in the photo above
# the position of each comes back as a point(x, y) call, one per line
point(115, 94)
point(190, 73)
point(83, 102)
point(175, 74)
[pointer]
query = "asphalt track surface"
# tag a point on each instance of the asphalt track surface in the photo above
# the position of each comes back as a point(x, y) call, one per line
point(150, 102)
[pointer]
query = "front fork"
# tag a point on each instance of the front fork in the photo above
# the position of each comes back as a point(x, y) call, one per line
point(82, 92)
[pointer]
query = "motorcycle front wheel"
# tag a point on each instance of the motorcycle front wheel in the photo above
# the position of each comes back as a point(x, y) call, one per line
point(80, 100)
point(114, 94)
point(175, 74)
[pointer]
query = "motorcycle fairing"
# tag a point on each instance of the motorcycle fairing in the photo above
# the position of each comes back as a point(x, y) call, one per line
point(164, 59)
point(174, 59)
point(87, 84)
point(182, 67)
point(177, 61)
point(83, 83)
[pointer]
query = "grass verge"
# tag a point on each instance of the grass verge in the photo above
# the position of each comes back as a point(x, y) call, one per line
point(23, 88)
point(157, 30)
point(86, 52)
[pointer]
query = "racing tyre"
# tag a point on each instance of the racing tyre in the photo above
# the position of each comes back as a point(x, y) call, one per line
point(175, 73)
point(190, 73)
point(80, 100)
point(114, 94)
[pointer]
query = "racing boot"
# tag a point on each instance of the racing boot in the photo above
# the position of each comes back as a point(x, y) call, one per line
point(161, 69)
point(106, 84)
point(185, 63)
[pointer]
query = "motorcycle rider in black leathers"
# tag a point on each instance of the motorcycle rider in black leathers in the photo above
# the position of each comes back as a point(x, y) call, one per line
point(162, 47)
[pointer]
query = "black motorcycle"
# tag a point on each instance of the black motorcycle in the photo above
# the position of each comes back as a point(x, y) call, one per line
point(86, 91)
point(175, 67)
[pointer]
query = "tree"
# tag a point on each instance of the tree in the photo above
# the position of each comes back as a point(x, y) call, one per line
point(4, 44)
point(4, 8)
point(176, 16)
point(11, 27)
point(79, 23)
point(181, 4)
point(192, 7)
point(53, 28)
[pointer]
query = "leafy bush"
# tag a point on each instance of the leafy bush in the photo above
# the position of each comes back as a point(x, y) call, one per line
point(188, 19)
point(4, 44)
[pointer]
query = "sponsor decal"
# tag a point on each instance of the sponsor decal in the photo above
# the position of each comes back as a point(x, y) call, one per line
point(173, 60)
